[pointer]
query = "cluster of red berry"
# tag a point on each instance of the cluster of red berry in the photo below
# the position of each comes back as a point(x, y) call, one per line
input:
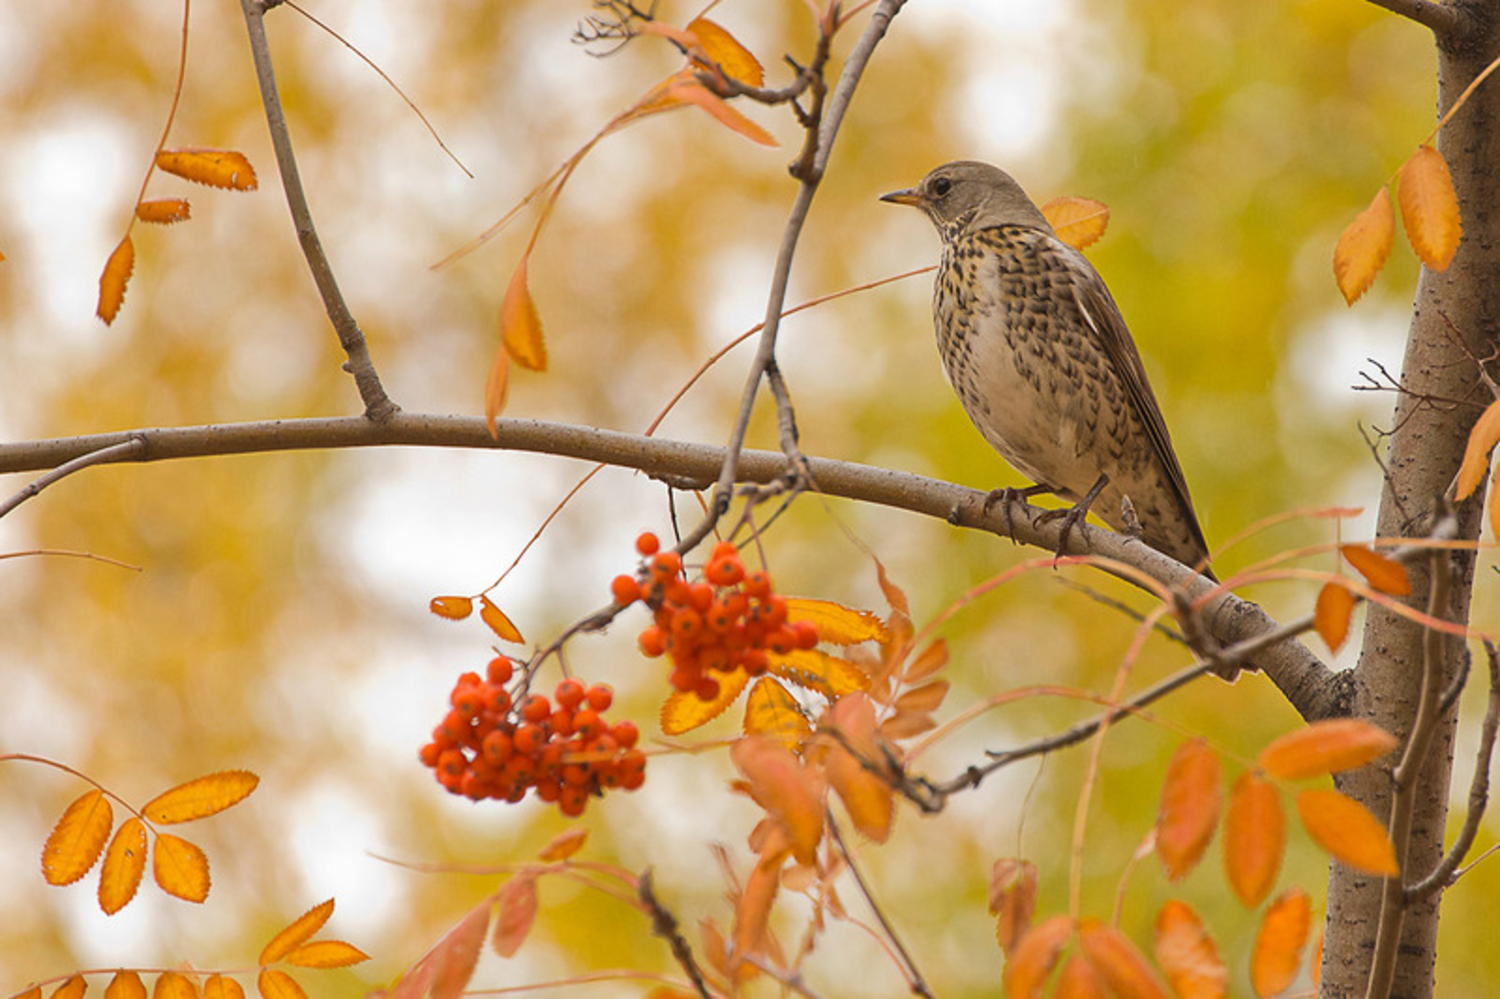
point(488, 747)
point(728, 620)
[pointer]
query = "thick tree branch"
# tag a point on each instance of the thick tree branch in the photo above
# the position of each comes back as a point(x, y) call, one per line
point(1441, 18)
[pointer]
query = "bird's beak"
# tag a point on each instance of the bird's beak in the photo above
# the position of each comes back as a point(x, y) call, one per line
point(910, 196)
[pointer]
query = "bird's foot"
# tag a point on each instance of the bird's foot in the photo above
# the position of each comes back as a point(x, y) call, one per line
point(1073, 516)
point(1005, 498)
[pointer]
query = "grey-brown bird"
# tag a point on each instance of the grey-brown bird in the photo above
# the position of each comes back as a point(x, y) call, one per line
point(1036, 349)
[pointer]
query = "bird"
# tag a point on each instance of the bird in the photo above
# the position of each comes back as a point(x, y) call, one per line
point(1035, 347)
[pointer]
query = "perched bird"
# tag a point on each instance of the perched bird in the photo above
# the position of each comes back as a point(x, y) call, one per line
point(1036, 349)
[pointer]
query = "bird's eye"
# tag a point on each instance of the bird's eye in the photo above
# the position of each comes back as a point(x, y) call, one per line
point(942, 186)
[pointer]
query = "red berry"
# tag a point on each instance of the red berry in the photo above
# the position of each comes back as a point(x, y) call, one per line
point(601, 696)
point(571, 801)
point(707, 689)
point(569, 693)
point(725, 571)
point(536, 708)
point(758, 584)
point(528, 740)
point(647, 543)
point(804, 634)
point(701, 596)
point(561, 722)
point(626, 734)
point(430, 753)
point(500, 670)
point(453, 762)
point(625, 590)
point(667, 564)
point(653, 642)
point(586, 723)
point(497, 747)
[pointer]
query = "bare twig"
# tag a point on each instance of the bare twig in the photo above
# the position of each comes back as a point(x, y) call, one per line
point(132, 447)
point(378, 405)
point(914, 975)
point(664, 925)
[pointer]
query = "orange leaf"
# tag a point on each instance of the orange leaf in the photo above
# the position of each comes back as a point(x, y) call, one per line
point(274, 983)
point(685, 712)
point(163, 211)
point(497, 390)
point(772, 711)
point(837, 624)
point(73, 988)
point(1279, 942)
point(752, 912)
point(869, 800)
point(564, 844)
point(114, 279)
point(905, 724)
point(200, 798)
point(124, 863)
point(790, 793)
point(1326, 747)
point(125, 985)
point(1385, 575)
point(1079, 222)
point(452, 608)
point(223, 168)
point(720, 47)
point(1119, 961)
point(1187, 953)
point(1190, 801)
point(78, 838)
point(1363, 247)
point(219, 987)
point(1035, 956)
point(1079, 980)
point(180, 868)
point(457, 953)
point(173, 985)
point(1482, 440)
point(1346, 829)
point(518, 905)
point(1331, 614)
point(685, 89)
point(326, 954)
point(296, 933)
point(928, 697)
point(35, 992)
point(520, 325)
point(1254, 838)
point(498, 622)
point(1429, 207)
point(1315, 963)
point(928, 661)
point(1013, 888)
point(817, 670)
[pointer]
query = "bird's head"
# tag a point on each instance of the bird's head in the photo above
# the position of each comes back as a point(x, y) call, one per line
point(968, 193)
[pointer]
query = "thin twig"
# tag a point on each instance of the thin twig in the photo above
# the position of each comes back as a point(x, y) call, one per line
point(664, 925)
point(914, 975)
point(135, 446)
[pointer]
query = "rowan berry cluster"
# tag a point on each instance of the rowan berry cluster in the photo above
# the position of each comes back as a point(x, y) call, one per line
point(562, 749)
point(729, 619)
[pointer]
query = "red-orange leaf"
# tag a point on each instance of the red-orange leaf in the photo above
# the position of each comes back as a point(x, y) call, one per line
point(1187, 953)
point(520, 324)
point(927, 662)
point(1364, 246)
point(223, 168)
point(720, 47)
point(1326, 747)
point(124, 864)
point(180, 868)
point(518, 906)
point(1119, 962)
point(1254, 838)
point(73, 988)
point(114, 279)
point(498, 622)
point(125, 985)
point(78, 838)
point(1279, 942)
point(163, 211)
point(1331, 614)
point(772, 711)
point(296, 933)
point(457, 953)
point(1429, 207)
point(1079, 222)
point(219, 987)
point(452, 608)
point(326, 954)
point(790, 793)
point(1079, 979)
point(1190, 801)
point(684, 712)
point(1384, 574)
point(928, 697)
point(273, 983)
point(1013, 888)
point(1482, 440)
point(1346, 829)
point(564, 844)
point(1035, 956)
point(201, 797)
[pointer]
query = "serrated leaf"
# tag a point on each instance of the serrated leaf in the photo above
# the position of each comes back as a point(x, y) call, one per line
point(174, 985)
point(1189, 812)
point(1346, 829)
point(180, 868)
point(220, 987)
point(1035, 957)
point(115, 277)
point(125, 985)
point(1187, 955)
point(1429, 207)
point(1013, 890)
point(772, 711)
point(1482, 440)
point(498, 622)
point(790, 793)
point(521, 324)
point(1363, 247)
point(201, 797)
point(684, 712)
point(163, 211)
point(1079, 222)
point(296, 933)
point(273, 983)
point(456, 955)
point(719, 46)
point(222, 168)
point(1383, 574)
point(1254, 838)
point(452, 608)
point(124, 865)
point(1332, 613)
point(564, 845)
point(1118, 961)
point(928, 697)
point(518, 908)
point(837, 624)
point(1326, 747)
point(76, 841)
point(815, 669)
point(326, 954)
point(1279, 941)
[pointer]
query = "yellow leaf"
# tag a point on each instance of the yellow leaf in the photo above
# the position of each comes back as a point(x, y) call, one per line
point(274, 983)
point(125, 985)
point(326, 954)
point(222, 168)
point(1429, 207)
point(163, 211)
point(772, 711)
point(296, 933)
point(1013, 888)
point(1186, 953)
point(1254, 838)
point(1189, 812)
point(1346, 829)
point(219, 987)
point(1079, 222)
point(498, 622)
point(180, 868)
point(497, 390)
point(817, 670)
point(1482, 440)
point(520, 325)
point(720, 47)
point(684, 712)
point(1035, 956)
point(1363, 247)
point(73, 988)
point(518, 905)
point(1326, 747)
point(836, 624)
point(124, 863)
point(114, 279)
point(78, 838)
point(1279, 942)
point(201, 797)
point(452, 608)
point(1118, 961)
point(1384, 574)
point(1331, 614)
point(564, 845)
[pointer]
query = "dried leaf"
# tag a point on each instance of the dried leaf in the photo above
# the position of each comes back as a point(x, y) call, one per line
point(1429, 207)
point(200, 798)
point(685, 712)
point(772, 711)
point(905, 724)
point(791, 794)
point(1013, 888)
point(114, 279)
point(1079, 222)
point(564, 845)
point(719, 46)
point(180, 868)
point(174, 985)
point(520, 325)
point(518, 907)
point(752, 911)
point(867, 798)
point(163, 211)
point(1119, 961)
point(223, 168)
point(1346, 829)
point(125, 985)
point(1079, 980)
point(837, 624)
point(498, 622)
point(1331, 614)
point(1384, 574)
point(497, 390)
point(927, 662)
point(452, 608)
point(1187, 953)
point(457, 953)
point(1326, 747)
point(1279, 942)
point(928, 697)
point(684, 88)
point(1363, 247)
point(1476, 462)
point(1189, 812)
point(76, 841)
point(219, 987)
point(1254, 838)
point(817, 670)
point(296, 933)
point(1035, 956)
point(273, 983)
point(326, 954)
point(124, 864)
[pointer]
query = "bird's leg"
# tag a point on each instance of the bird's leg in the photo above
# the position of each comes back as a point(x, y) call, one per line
point(1073, 515)
point(1005, 497)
